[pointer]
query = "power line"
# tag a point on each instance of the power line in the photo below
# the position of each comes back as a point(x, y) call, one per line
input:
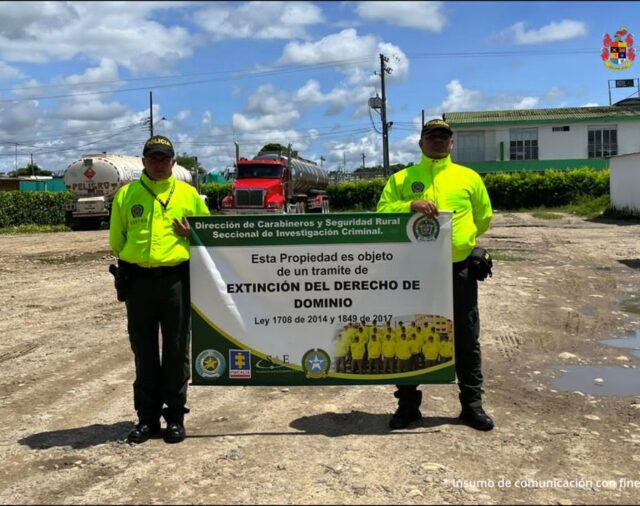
point(237, 76)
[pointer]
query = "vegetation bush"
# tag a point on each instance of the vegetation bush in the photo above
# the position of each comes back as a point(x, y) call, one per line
point(32, 208)
point(356, 196)
point(216, 192)
point(520, 190)
point(552, 188)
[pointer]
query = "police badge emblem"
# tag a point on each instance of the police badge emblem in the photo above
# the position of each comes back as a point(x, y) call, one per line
point(316, 363)
point(137, 210)
point(210, 364)
point(618, 53)
point(417, 187)
point(426, 229)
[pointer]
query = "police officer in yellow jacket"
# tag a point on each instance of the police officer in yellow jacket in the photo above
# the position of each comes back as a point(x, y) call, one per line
point(438, 183)
point(149, 234)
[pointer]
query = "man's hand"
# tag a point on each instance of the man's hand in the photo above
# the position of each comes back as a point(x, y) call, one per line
point(425, 207)
point(182, 228)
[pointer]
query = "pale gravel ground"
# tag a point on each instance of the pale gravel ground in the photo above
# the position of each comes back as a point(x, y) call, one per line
point(65, 393)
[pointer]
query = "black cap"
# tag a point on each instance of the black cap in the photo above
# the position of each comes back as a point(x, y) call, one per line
point(158, 144)
point(436, 124)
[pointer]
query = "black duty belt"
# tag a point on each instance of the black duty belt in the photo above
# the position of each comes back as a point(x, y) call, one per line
point(136, 270)
point(459, 266)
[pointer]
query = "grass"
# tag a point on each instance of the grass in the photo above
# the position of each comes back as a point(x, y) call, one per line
point(34, 229)
point(508, 255)
point(587, 207)
point(546, 215)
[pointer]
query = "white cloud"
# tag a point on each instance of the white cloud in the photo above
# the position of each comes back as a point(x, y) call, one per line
point(526, 103)
point(461, 99)
point(182, 115)
point(566, 29)
point(259, 20)
point(8, 72)
point(421, 15)
point(16, 118)
point(90, 110)
point(39, 32)
point(103, 77)
point(590, 104)
point(245, 123)
point(356, 56)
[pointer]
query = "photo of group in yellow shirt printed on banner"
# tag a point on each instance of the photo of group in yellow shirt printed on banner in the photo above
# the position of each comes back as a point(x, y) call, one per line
point(399, 345)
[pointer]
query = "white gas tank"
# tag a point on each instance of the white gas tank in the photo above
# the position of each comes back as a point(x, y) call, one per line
point(102, 174)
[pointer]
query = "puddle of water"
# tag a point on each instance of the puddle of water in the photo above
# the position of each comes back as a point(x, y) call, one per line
point(617, 381)
point(631, 340)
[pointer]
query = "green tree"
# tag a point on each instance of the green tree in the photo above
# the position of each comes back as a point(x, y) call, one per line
point(277, 147)
point(30, 170)
point(191, 163)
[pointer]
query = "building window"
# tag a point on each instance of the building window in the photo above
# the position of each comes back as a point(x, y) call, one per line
point(524, 144)
point(560, 129)
point(603, 142)
point(469, 147)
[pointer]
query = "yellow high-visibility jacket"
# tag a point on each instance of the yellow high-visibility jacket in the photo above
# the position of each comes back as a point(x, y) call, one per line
point(141, 230)
point(451, 187)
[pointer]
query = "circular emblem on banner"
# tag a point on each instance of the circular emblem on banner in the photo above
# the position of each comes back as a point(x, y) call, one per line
point(426, 229)
point(316, 363)
point(417, 187)
point(210, 364)
point(137, 210)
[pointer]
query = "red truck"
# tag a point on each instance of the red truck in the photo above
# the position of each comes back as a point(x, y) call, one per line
point(276, 183)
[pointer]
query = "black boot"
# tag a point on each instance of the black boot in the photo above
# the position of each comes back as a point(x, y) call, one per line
point(408, 408)
point(175, 432)
point(476, 417)
point(143, 431)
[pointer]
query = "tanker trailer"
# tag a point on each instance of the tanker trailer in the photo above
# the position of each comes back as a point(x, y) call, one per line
point(94, 179)
point(276, 183)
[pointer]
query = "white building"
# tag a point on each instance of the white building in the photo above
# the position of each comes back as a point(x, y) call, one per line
point(539, 139)
point(624, 182)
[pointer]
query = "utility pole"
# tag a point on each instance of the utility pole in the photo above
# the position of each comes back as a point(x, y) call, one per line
point(362, 161)
point(383, 112)
point(322, 159)
point(16, 156)
point(151, 113)
point(344, 162)
point(422, 118)
point(32, 168)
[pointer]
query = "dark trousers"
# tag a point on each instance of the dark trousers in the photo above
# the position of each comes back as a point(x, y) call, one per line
point(466, 328)
point(158, 299)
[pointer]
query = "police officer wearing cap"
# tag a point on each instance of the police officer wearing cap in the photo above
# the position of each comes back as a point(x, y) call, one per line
point(149, 234)
point(438, 183)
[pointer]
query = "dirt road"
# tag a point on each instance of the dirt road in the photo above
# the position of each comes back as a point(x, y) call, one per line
point(558, 287)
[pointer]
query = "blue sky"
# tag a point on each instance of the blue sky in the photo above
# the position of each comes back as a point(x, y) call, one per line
point(287, 72)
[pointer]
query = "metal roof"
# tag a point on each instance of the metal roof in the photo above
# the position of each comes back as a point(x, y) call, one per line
point(542, 116)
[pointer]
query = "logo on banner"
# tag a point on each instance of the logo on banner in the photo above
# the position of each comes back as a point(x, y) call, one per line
point(264, 366)
point(210, 364)
point(618, 52)
point(316, 363)
point(426, 229)
point(239, 364)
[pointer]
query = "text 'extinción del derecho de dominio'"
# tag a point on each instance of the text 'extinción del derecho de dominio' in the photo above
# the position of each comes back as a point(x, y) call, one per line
point(323, 286)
